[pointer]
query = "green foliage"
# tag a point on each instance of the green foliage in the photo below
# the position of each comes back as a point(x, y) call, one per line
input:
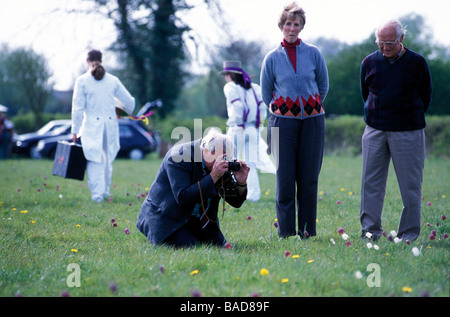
point(42, 232)
point(343, 135)
point(344, 96)
point(24, 123)
point(25, 81)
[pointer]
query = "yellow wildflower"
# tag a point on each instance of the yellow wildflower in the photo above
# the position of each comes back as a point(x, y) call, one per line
point(194, 272)
point(264, 271)
point(407, 289)
point(24, 211)
point(284, 280)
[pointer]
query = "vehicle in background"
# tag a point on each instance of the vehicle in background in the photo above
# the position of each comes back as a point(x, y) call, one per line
point(135, 141)
point(25, 144)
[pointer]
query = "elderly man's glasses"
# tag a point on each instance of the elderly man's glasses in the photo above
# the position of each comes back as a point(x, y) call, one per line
point(387, 43)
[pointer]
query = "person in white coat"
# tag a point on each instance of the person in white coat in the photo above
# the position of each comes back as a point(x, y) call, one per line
point(246, 112)
point(94, 120)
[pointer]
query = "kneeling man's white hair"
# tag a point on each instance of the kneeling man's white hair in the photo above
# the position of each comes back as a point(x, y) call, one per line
point(216, 140)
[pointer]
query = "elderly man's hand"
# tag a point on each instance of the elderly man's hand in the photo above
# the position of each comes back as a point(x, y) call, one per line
point(219, 168)
point(242, 174)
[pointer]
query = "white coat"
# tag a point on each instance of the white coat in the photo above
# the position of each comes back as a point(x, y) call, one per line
point(242, 110)
point(94, 114)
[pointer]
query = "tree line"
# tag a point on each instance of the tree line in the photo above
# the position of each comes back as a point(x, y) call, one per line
point(155, 59)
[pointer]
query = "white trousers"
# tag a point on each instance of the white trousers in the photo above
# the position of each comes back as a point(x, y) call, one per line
point(99, 174)
point(246, 142)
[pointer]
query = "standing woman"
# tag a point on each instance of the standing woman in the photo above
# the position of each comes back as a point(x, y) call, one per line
point(94, 120)
point(294, 82)
point(246, 113)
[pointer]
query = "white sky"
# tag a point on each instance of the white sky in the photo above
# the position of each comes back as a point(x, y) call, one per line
point(65, 38)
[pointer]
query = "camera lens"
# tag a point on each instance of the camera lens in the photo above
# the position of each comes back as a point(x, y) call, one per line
point(234, 166)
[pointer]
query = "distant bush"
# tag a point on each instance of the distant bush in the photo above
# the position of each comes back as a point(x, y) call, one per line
point(24, 123)
point(343, 135)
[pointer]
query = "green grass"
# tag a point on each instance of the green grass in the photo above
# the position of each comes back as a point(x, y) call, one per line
point(39, 230)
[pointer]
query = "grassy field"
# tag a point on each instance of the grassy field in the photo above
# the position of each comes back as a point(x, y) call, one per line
point(53, 237)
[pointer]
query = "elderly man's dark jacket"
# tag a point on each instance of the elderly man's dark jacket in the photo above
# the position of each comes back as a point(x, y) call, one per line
point(175, 193)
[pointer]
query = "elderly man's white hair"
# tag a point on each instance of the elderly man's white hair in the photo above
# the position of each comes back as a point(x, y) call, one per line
point(400, 30)
point(215, 140)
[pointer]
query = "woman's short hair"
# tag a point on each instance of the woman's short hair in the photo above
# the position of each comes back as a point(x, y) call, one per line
point(292, 11)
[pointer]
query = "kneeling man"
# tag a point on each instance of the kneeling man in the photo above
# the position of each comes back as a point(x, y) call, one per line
point(181, 208)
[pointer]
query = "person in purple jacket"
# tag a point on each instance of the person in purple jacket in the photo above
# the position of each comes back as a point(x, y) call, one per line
point(396, 89)
point(294, 83)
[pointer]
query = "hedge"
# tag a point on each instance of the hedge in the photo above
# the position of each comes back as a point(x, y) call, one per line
point(342, 133)
point(342, 136)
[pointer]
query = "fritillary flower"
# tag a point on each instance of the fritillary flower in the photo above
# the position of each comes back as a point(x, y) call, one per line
point(113, 287)
point(196, 293)
point(127, 231)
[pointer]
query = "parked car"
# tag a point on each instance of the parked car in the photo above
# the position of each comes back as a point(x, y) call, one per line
point(135, 141)
point(25, 144)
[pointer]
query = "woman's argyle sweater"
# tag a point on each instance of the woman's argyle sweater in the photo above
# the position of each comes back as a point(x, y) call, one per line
point(295, 93)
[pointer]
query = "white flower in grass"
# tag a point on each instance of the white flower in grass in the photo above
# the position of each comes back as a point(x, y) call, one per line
point(397, 240)
point(376, 247)
point(344, 236)
point(415, 251)
point(358, 275)
point(369, 245)
point(393, 233)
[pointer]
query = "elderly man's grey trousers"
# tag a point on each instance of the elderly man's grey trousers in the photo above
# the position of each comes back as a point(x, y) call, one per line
point(407, 150)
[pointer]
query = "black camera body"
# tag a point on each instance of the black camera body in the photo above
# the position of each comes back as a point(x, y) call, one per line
point(228, 184)
point(234, 166)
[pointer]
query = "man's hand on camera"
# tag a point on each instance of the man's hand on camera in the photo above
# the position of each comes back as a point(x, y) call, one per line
point(219, 168)
point(242, 174)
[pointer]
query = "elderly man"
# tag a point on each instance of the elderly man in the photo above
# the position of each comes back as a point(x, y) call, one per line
point(396, 89)
point(182, 205)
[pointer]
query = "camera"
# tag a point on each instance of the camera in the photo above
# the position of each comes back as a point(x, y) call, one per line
point(228, 185)
point(233, 166)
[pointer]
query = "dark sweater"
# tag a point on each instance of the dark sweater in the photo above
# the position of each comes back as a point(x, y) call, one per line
point(396, 95)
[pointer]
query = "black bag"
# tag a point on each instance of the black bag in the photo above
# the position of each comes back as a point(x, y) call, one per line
point(69, 161)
